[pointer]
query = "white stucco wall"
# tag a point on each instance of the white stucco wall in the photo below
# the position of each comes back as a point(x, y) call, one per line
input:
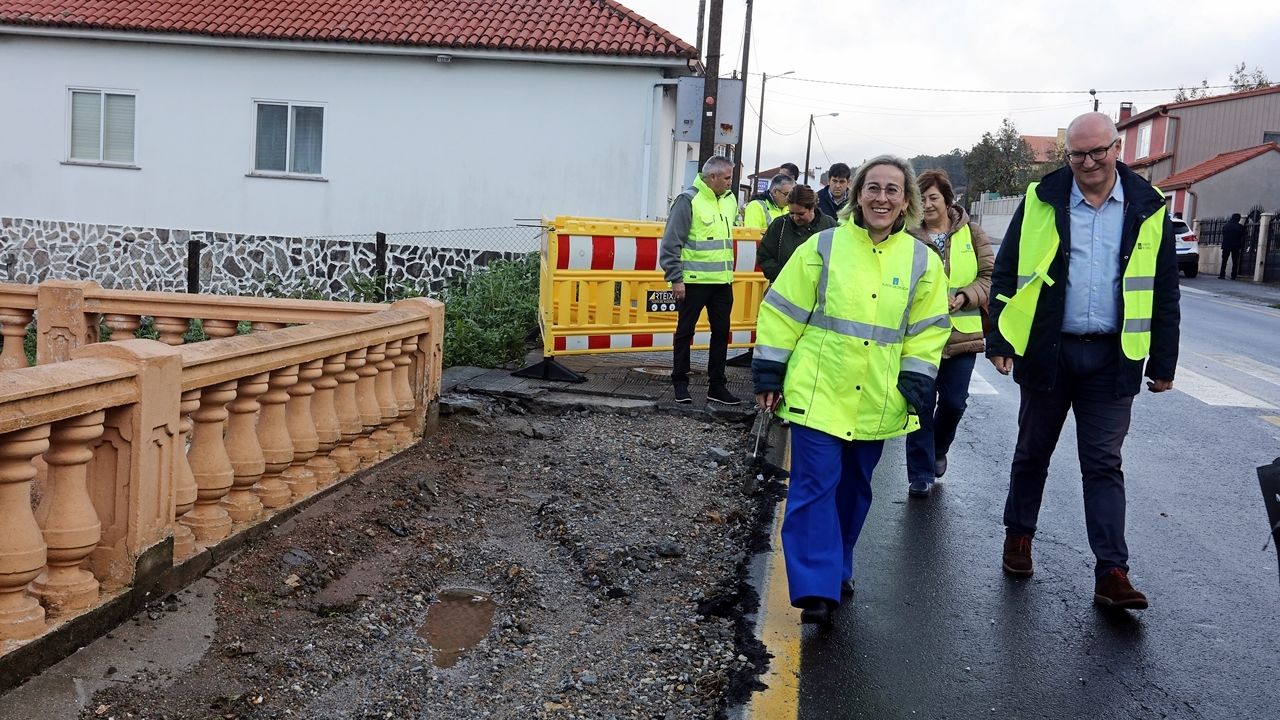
point(409, 143)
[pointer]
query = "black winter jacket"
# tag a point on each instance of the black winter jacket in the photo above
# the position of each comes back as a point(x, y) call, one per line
point(827, 206)
point(1038, 368)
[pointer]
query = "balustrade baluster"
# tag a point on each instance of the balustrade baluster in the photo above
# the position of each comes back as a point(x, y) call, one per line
point(122, 327)
point(210, 465)
point(402, 394)
point(264, 326)
point(185, 489)
point(384, 399)
point(302, 430)
point(13, 327)
point(172, 329)
point(22, 555)
point(216, 329)
point(273, 435)
point(242, 502)
point(67, 517)
point(367, 405)
point(325, 414)
point(348, 412)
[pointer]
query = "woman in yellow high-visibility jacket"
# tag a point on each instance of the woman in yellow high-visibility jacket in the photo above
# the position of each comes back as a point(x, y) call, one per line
point(848, 343)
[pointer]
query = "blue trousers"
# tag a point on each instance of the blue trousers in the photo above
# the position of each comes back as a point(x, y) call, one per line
point(940, 417)
point(827, 504)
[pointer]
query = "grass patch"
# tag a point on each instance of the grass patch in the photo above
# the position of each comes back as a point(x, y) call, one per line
point(490, 313)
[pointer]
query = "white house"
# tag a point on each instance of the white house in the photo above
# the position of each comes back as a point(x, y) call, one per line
point(263, 117)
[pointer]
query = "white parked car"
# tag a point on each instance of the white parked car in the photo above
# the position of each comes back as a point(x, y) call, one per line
point(1188, 248)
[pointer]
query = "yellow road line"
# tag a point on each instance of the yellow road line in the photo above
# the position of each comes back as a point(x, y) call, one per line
point(780, 632)
point(1273, 419)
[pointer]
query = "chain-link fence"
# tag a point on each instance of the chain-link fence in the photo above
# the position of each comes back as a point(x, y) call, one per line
point(427, 260)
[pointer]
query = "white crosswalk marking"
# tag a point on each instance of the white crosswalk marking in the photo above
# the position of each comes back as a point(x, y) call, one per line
point(1248, 366)
point(1212, 392)
point(978, 385)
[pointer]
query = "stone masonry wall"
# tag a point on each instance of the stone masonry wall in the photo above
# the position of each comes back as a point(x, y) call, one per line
point(155, 259)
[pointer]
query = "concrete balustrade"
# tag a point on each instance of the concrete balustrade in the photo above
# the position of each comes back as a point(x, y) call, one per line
point(163, 449)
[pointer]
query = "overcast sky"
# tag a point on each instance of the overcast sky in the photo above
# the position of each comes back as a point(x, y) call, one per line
point(1115, 47)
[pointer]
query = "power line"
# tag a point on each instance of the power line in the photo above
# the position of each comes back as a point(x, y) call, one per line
point(824, 147)
point(771, 128)
point(999, 92)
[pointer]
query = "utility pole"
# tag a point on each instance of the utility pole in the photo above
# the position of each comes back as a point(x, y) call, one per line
point(742, 111)
point(711, 83)
point(702, 23)
point(764, 78)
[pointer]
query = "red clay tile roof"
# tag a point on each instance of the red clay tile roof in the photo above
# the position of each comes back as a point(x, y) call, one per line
point(583, 27)
point(1044, 148)
point(1191, 103)
point(1196, 173)
point(1150, 160)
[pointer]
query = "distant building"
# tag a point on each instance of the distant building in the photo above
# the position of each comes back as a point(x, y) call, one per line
point(1231, 182)
point(1047, 148)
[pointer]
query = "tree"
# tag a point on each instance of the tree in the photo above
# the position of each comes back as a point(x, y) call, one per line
point(1241, 79)
point(1000, 163)
point(952, 162)
point(1194, 93)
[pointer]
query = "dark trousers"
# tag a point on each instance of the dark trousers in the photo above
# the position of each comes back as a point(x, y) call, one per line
point(1086, 385)
point(718, 301)
point(1234, 254)
point(940, 417)
point(827, 504)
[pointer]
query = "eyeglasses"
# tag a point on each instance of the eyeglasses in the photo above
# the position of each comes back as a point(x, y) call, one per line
point(1097, 154)
point(893, 192)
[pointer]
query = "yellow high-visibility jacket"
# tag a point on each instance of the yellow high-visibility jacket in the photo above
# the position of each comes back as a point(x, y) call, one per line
point(846, 317)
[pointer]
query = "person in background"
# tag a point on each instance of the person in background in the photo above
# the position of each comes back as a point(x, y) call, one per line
point(1232, 244)
point(791, 170)
point(789, 232)
point(848, 343)
point(1074, 315)
point(696, 257)
point(967, 259)
point(822, 179)
point(834, 196)
point(759, 213)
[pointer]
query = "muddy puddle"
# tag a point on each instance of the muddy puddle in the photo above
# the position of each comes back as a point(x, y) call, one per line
point(456, 622)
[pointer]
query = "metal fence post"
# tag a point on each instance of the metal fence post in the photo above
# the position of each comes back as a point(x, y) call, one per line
point(380, 263)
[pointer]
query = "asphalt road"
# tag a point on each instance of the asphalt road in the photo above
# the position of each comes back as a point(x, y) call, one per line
point(938, 631)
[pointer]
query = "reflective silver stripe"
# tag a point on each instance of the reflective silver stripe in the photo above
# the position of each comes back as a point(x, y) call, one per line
point(712, 244)
point(824, 252)
point(768, 216)
point(919, 264)
point(859, 330)
point(1139, 283)
point(766, 352)
point(1024, 279)
point(942, 321)
point(916, 365)
point(708, 266)
point(1137, 325)
point(777, 301)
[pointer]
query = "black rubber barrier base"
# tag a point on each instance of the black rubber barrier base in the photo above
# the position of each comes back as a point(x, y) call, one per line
point(549, 369)
point(743, 360)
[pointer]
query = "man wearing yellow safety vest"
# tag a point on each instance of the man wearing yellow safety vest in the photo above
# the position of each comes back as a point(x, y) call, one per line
point(1085, 289)
point(759, 213)
point(696, 257)
point(848, 343)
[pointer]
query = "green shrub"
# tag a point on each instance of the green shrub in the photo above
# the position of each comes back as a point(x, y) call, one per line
point(489, 313)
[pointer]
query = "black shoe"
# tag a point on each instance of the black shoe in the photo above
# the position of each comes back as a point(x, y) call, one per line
point(817, 611)
point(722, 395)
point(1223, 277)
point(682, 393)
point(940, 466)
point(846, 588)
point(920, 489)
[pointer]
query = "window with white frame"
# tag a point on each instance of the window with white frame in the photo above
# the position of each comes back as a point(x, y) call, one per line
point(102, 127)
point(289, 138)
point(1144, 140)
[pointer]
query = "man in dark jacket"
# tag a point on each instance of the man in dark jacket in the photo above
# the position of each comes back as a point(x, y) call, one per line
point(1232, 244)
point(834, 196)
point(789, 232)
point(1080, 334)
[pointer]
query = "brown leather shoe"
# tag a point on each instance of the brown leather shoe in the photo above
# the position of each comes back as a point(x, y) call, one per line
point(1114, 590)
point(1017, 554)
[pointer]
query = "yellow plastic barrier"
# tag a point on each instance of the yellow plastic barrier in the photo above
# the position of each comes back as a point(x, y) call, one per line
point(601, 291)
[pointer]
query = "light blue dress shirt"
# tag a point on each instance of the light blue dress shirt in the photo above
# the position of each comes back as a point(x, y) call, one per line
point(1093, 275)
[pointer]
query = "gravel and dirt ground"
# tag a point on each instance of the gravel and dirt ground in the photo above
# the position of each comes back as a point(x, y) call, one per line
point(513, 565)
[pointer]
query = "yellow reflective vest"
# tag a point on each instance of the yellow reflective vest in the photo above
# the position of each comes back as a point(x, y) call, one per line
point(1039, 243)
point(846, 316)
point(759, 213)
point(707, 254)
point(962, 269)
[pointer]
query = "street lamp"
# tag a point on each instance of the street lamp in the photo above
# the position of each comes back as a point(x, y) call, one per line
point(764, 77)
point(809, 143)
